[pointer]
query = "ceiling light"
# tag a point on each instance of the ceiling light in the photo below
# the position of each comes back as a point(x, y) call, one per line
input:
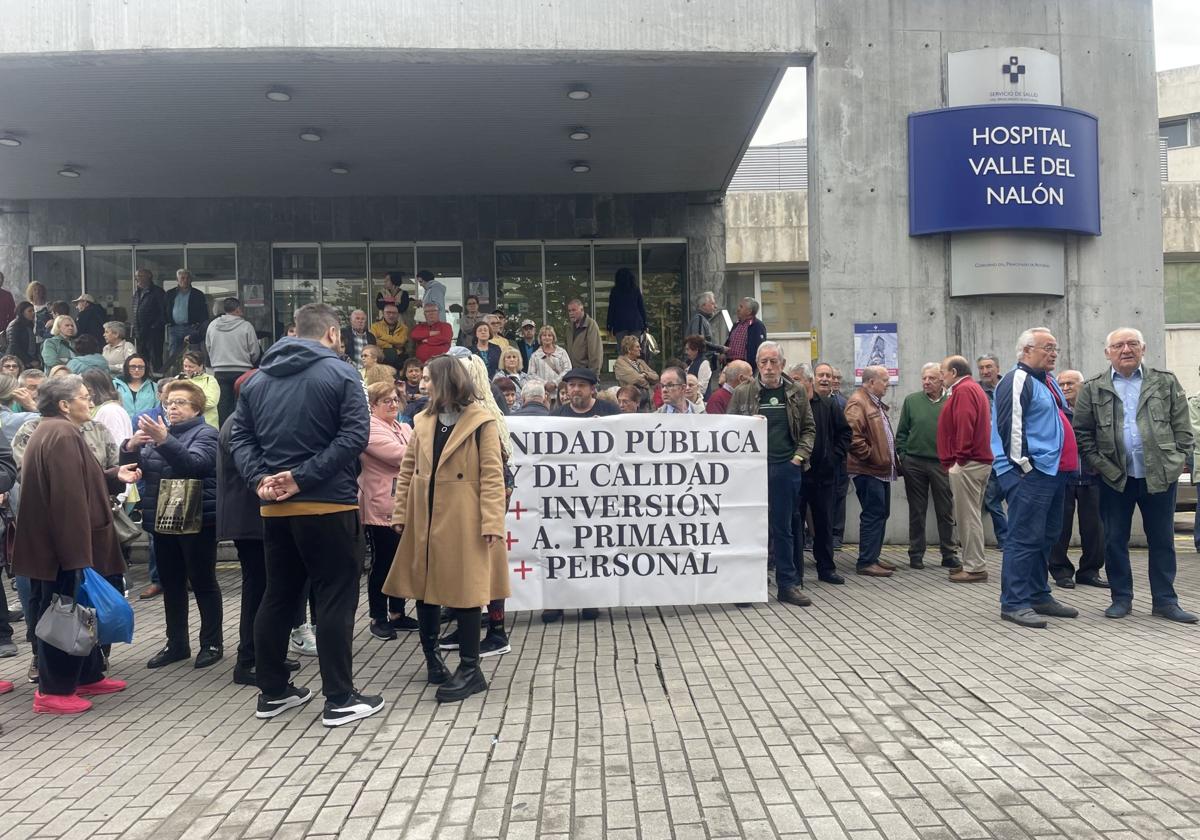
point(339, 169)
point(579, 94)
point(69, 171)
point(9, 140)
point(310, 135)
point(278, 95)
point(580, 166)
point(580, 134)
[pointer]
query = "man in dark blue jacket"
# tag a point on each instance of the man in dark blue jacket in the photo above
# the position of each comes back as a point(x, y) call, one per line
point(301, 424)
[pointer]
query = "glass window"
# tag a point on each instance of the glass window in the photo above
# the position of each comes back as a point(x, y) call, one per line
point(519, 283)
point(664, 281)
point(60, 270)
point(784, 304)
point(296, 273)
point(608, 259)
point(1176, 133)
point(109, 279)
point(344, 278)
point(445, 261)
point(214, 272)
point(160, 260)
point(1181, 292)
point(568, 276)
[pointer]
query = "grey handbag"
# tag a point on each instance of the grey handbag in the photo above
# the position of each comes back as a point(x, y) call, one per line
point(127, 529)
point(68, 626)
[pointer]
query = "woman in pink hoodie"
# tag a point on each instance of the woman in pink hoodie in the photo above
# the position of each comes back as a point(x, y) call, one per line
point(376, 489)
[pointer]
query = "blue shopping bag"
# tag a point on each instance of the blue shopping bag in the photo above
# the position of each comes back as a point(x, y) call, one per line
point(114, 615)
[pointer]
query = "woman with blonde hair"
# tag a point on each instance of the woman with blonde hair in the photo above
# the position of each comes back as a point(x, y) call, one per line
point(549, 362)
point(378, 373)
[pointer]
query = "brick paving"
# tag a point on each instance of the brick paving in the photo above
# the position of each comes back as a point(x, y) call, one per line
point(895, 708)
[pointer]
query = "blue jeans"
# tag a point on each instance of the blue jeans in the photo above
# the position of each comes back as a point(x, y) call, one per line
point(1158, 520)
point(993, 503)
point(1035, 499)
point(875, 497)
point(176, 333)
point(783, 490)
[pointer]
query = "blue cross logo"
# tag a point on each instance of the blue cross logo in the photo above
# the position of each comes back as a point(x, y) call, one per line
point(1013, 69)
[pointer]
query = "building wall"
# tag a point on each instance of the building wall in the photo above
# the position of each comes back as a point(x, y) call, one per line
point(766, 227)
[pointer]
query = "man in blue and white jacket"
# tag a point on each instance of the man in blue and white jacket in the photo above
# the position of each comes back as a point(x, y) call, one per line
point(1034, 448)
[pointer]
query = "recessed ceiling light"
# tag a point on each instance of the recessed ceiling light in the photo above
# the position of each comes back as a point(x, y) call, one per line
point(580, 134)
point(310, 135)
point(579, 94)
point(279, 95)
point(69, 171)
point(580, 166)
point(339, 169)
point(9, 140)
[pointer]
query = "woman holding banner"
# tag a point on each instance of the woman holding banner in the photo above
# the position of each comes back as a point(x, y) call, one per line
point(450, 509)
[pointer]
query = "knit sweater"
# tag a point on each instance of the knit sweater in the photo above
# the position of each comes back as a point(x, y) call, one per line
point(917, 433)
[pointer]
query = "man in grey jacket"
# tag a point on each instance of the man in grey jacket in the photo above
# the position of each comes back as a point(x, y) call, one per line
point(233, 349)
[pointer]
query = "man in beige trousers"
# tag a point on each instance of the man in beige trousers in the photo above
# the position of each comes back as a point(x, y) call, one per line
point(964, 436)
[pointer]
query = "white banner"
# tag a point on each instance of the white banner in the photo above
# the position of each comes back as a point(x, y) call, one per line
point(637, 510)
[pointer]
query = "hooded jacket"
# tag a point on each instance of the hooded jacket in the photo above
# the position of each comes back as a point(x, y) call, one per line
point(305, 411)
point(232, 345)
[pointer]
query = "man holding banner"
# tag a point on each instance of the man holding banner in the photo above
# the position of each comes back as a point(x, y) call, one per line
point(790, 436)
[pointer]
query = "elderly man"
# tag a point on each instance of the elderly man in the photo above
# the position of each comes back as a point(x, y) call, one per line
point(873, 467)
point(434, 290)
point(790, 435)
point(1034, 448)
point(583, 344)
point(747, 334)
point(149, 318)
point(356, 336)
point(1082, 493)
point(828, 382)
point(674, 392)
point(993, 500)
point(433, 337)
point(736, 372)
point(1133, 428)
point(916, 447)
point(391, 334)
point(702, 325)
point(90, 318)
point(964, 446)
point(187, 313)
point(818, 493)
point(534, 400)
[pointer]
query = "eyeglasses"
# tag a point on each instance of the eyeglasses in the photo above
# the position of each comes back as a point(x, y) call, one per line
point(1048, 348)
point(1132, 344)
point(177, 403)
point(137, 367)
point(388, 401)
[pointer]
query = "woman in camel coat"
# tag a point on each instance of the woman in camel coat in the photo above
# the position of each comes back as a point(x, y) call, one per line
point(450, 509)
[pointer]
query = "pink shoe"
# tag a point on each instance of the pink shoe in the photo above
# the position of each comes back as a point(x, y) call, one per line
point(59, 704)
point(106, 685)
point(5, 686)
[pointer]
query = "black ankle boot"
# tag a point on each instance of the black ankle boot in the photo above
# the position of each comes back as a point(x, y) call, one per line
point(428, 616)
point(468, 679)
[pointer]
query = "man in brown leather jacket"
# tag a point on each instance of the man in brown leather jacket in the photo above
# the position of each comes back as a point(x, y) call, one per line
point(873, 467)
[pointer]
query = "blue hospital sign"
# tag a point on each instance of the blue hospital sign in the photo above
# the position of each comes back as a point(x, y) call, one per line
point(1003, 167)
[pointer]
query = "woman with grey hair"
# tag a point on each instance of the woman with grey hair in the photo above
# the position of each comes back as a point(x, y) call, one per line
point(116, 349)
point(57, 349)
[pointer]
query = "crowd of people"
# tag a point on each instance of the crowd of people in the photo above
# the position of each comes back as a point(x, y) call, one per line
point(399, 461)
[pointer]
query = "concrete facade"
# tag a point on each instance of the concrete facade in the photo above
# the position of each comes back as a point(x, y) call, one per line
point(1179, 98)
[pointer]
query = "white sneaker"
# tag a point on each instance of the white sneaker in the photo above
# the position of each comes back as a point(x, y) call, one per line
point(304, 640)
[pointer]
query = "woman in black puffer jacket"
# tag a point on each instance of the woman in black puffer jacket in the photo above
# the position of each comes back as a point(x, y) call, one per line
point(187, 448)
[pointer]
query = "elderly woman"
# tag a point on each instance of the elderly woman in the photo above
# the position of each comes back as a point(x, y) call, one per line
point(57, 349)
point(376, 487)
point(371, 357)
point(183, 448)
point(631, 399)
point(486, 349)
point(116, 349)
point(451, 549)
point(11, 365)
point(61, 482)
point(137, 391)
point(630, 369)
point(512, 367)
point(193, 370)
point(549, 362)
point(694, 393)
point(694, 347)
point(22, 336)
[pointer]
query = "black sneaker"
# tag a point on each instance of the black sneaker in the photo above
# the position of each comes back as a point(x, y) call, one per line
point(383, 630)
point(494, 643)
point(269, 707)
point(449, 641)
point(404, 622)
point(357, 707)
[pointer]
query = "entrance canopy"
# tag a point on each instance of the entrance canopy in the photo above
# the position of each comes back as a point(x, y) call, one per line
point(202, 125)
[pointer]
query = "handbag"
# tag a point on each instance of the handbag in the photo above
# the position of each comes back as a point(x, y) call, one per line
point(114, 616)
point(179, 506)
point(127, 529)
point(69, 626)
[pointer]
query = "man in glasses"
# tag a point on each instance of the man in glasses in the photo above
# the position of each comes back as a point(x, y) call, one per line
point(1134, 430)
point(1034, 449)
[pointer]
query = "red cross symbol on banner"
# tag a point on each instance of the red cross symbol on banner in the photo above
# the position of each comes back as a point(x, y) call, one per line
point(523, 570)
point(518, 510)
point(509, 539)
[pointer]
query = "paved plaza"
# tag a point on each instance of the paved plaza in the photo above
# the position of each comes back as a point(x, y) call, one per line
point(895, 708)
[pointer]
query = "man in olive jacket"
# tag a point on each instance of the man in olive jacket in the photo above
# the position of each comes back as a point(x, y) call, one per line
point(791, 433)
point(1131, 422)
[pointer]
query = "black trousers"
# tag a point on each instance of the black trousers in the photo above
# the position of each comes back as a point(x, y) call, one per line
point(149, 343)
point(228, 401)
point(1086, 500)
point(819, 496)
point(383, 542)
point(59, 672)
point(6, 630)
point(184, 558)
point(325, 551)
point(841, 488)
point(252, 556)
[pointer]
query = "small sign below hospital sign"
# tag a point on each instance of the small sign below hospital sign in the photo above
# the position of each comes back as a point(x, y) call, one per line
point(1003, 167)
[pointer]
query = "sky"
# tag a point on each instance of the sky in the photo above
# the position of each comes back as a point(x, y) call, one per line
point(1176, 44)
